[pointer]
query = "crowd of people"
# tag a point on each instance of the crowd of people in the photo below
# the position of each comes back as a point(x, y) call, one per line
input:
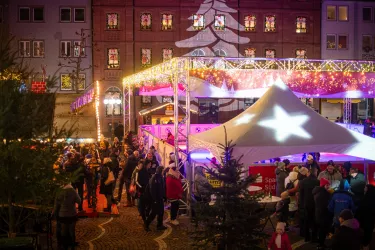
point(335, 202)
point(104, 166)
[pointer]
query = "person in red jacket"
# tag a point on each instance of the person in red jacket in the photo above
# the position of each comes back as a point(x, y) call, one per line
point(279, 239)
point(174, 191)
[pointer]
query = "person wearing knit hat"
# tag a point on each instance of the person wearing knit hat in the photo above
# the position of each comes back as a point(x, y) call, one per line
point(323, 218)
point(348, 235)
point(311, 163)
point(279, 239)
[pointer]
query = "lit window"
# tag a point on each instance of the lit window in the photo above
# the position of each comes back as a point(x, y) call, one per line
point(367, 14)
point(38, 49)
point(166, 22)
point(331, 41)
point(343, 13)
point(331, 13)
point(79, 15)
point(167, 54)
point(220, 52)
point(24, 48)
point(65, 48)
point(198, 52)
point(116, 108)
point(198, 22)
point(146, 57)
point(78, 49)
point(301, 53)
point(301, 25)
point(219, 22)
point(250, 23)
point(24, 14)
point(65, 14)
point(113, 58)
point(270, 24)
point(146, 21)
point(342, 42)
point(38, 14)
point(112, 21)
point(250, 52)
point(270, 53)
point(66, 82)
point(366, 43)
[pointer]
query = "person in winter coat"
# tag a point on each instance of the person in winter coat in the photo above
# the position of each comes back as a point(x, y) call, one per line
point(126, 177)
point(174, 192)
point(291, 186)
point(66, 216)
point(302, 174)
point(142, 179)
point(106, 189)
point(156, 191)
point(341, 200)
point(202, 188)
point(311, 163)
point(279, 239)
point(151, 163)
point(348, 236)
point(322, 215)
point(332, 175)
point(281, 174)
point(306, 200)
point(357, 184)
point(366, 216)
point(156, 154)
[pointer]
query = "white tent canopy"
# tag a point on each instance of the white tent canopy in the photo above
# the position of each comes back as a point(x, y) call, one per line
point(280, 124)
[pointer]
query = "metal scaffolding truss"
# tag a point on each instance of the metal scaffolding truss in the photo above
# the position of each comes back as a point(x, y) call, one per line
point(127, 91)
point(164, 71)
point(347, 118)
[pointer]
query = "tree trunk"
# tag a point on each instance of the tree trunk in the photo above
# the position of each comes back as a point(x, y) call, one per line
point(12, 219)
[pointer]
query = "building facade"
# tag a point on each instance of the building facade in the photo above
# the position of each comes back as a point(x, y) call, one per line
point(133, 35)
point(54, 38)
point(348, 33)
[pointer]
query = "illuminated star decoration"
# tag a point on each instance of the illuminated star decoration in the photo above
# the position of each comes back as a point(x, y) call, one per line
point(286, 125)
point(244, 119)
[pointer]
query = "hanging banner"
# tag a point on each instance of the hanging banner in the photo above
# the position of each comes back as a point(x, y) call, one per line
point(83, 100)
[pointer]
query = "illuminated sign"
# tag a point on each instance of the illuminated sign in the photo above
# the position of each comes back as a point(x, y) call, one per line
point(83, 100)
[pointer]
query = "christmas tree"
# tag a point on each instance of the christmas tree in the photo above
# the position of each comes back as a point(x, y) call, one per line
point(233, 221)
point(217, 30)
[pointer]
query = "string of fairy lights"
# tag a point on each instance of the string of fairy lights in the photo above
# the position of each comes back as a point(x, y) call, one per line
point(312, 77)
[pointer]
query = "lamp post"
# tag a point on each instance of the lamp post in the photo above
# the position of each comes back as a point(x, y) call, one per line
point(112, 101)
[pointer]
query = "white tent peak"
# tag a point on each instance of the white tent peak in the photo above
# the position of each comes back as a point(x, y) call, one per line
point(280, 124)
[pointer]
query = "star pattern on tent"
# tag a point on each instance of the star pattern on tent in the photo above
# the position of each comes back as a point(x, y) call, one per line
point(286, 125)
point(244, 119)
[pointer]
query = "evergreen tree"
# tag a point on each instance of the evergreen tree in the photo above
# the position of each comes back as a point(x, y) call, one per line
point(26, 165)
point(233, 221)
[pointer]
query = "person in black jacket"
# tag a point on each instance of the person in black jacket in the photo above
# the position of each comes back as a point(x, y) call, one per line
point(141, 180)
point(348, 235)
point(366, 216)
point(306, 199)
point(151, 163)
point(323, 217)
point(126, 176)
point(156, 192)
point(357, 185)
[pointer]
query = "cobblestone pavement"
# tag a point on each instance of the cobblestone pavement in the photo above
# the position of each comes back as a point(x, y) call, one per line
point(126, 232)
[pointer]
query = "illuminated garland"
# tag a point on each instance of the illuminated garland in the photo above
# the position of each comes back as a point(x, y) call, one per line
point(97, 102)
